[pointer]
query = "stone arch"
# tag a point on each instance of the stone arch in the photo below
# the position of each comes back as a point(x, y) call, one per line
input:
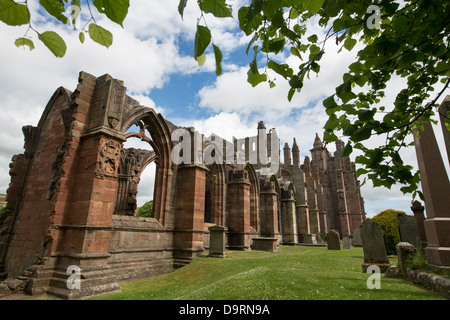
point(216, 186)
point(132, 163)
point(147, 119)
point(254, 197)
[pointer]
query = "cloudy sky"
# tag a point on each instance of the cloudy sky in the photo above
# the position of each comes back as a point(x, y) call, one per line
point(153, 55)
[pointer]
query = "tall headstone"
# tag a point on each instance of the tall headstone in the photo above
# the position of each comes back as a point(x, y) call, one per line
point(373, 246)
point(333, 240)
point(217, 241)
point(436, 190)
point(356, 240)
point(346, 243)
point(409, 232)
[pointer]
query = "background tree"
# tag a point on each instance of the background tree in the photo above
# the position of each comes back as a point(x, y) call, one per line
point(146, 210)
point(408, 39)
point(388, 221)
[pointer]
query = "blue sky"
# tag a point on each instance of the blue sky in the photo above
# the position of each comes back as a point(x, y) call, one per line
point(153, 55)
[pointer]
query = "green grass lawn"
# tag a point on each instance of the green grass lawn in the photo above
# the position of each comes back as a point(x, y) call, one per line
point(291, 273)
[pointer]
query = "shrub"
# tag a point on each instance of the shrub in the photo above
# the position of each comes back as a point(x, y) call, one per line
point(146, 210)
point(388, 221)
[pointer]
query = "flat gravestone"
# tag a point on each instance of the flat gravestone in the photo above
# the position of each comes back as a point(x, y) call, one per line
point(333, 240)
point(356, 240)
point(346, 243)
point(409, 232)
point(373, 246)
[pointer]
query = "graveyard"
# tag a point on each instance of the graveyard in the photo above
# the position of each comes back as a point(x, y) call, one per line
point(290, 273)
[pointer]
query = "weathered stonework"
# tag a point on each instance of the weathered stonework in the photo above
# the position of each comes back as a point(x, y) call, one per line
point(72, 195)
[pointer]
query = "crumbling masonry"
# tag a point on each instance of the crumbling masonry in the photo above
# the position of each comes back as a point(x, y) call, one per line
point(72, 195)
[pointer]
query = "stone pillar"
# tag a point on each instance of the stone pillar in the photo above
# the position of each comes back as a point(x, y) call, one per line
point(268, 205)
point(314, 219)
point(217, 241)
point(238, 205)
point(287, 154)
point(417, 210)
point(288, 217)
point(190, 207)
point(436, 189)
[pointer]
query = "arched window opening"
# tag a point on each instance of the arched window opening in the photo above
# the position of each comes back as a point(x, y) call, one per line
point(208, 206)
point(136, 178)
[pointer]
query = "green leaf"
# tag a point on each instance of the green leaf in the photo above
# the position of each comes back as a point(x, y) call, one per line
point(201, 59)
point(254, 9)
point(14, 14)
point(55, 8)
point(24, 42)
point(344, 91)
point(282, 69)
point(255, 37)
point(329, 102)
point(54, 43)
point(293, 14)
point(81, 37)
point(313, 6)
point(248, 26)
point(362, 133)
point(346, 151)
point(255, 78)
point(100, 35)
point(218, 8)
point(291, 94)
point(202, 40)
point(181, 7)
point(296, 82)
point(349, 43)
point(365, 115)
point(332, 123)
point(314, 39)
point(218, 56)
point(115, 10)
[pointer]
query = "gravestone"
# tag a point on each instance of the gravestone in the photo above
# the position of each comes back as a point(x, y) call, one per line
point(417, 210)
point(346, 243)
point(373, 246)
point(409, 232)
point(356, 240)
point(217, 241)
point(333, 240)
point(405, 251)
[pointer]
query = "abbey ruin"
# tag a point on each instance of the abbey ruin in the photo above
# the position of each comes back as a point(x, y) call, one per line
point(72, 195)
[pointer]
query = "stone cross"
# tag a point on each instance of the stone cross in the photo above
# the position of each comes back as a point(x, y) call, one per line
point(373, 246)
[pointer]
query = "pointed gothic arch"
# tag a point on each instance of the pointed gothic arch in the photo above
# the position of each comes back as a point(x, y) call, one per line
point(148, 120)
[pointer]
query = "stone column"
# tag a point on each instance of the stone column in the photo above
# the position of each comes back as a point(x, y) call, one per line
point(288, 219)
point(436, 189)
point(190, 207)
point(268, 199)
point(238, 205)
